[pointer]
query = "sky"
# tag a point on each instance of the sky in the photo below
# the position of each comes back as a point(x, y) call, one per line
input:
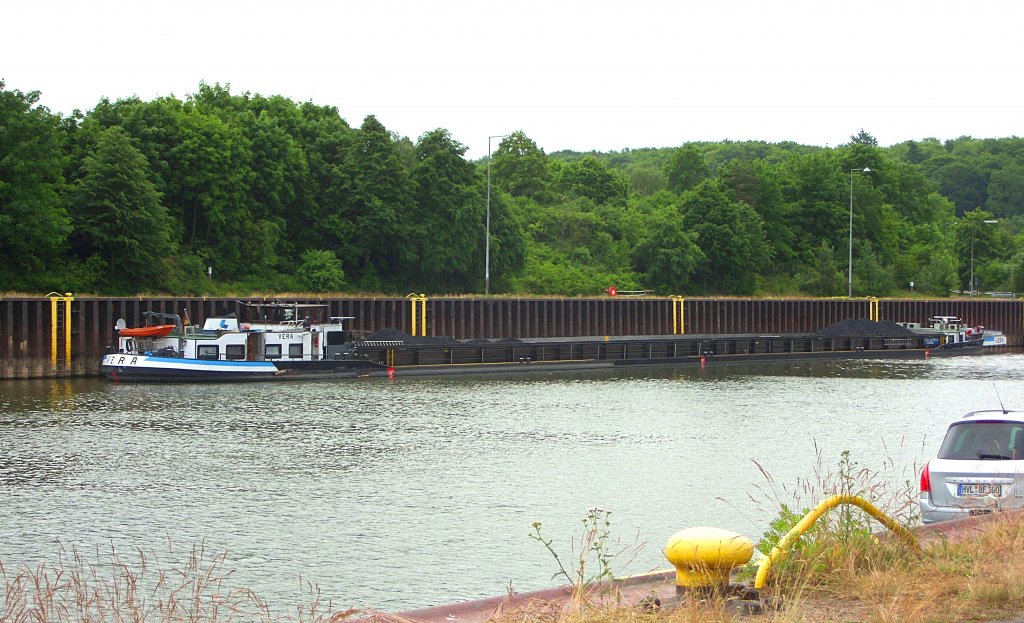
point(582, 75)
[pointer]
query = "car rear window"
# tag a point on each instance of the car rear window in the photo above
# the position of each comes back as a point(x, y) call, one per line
point(986, 440)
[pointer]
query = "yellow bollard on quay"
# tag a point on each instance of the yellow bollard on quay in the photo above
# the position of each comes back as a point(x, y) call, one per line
point(704, 558)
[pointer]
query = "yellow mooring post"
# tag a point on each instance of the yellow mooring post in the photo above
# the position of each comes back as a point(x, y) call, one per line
point(678, 316)
point(419, 304)
point(779, 551)
point(704, 557)
point(874, 312)
point(60, 320)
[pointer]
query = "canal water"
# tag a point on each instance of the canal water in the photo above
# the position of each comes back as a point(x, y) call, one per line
point(400, 494)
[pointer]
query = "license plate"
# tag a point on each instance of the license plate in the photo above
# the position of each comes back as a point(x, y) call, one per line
point(980, 488)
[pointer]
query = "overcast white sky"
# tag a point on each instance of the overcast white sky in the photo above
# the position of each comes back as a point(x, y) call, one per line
point(572, 74)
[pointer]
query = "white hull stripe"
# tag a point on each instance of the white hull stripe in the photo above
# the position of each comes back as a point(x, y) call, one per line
point(193, 365)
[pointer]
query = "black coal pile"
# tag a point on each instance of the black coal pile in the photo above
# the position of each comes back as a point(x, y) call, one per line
point(394, 335)
point(862, 327)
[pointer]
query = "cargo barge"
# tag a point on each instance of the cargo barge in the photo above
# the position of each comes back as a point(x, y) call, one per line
point(298, 341)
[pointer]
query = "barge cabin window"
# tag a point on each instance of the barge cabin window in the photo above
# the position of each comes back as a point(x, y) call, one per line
point(295, 351)
point(272, 351)
point(207, 352)
point(234, 351)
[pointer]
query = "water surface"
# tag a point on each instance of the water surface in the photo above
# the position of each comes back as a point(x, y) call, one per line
point(415, 492)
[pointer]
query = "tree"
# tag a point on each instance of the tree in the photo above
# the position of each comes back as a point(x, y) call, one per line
point(686, 168)
point(374, 222)
point(590, 178)
point(864, 138)
point(938, 276)
point(975, 240)
point(668, 256)
point(646, 179)
point(34, 223)
point(965, 183)
point(871, 276)
point(1006, 191)
point(729, 233)
point(823, 278)
point(119, 217)
point(520, 168)
point(759, 186)
point(320, 271)
point(450, 215)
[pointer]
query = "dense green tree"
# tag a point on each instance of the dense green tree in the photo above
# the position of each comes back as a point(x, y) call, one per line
point(731, 236)
point(668, 255)
point(976, 243)
point(864, 138)
point(759, 186)
point(938, 273)
point(34, 224)
point(119, 218)
point(646, 179)
point(871, 277)
point(815, 191)
point(686, 168)
point(965, 182)
point(591, 179)
point(1006, 191)
point(375, 221)
point(823, 277)
point(320, 271)
point(520, 168)
point(451, 216)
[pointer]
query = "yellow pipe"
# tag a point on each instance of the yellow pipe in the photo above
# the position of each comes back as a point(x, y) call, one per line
point(53, 332)
point(421, 301)
point(423, 317)
point(67, 331)
point(678, 318)
point(779, 551)
point(682, 317)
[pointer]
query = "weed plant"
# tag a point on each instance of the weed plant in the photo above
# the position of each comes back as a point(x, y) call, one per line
point(592, 557)
point(108, 587)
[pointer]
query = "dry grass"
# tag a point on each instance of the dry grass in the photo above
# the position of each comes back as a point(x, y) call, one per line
point(978, 578)
point(108, 588)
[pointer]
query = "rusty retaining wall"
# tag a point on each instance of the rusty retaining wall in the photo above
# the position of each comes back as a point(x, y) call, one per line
point(26, 347)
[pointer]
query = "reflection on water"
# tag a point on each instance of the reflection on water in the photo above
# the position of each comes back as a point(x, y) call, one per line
point(414, 492)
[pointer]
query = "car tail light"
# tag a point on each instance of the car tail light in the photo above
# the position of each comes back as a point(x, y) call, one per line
point(926, 480)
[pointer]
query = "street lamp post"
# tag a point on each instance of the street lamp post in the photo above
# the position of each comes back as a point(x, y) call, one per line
point(487, 241)
point(970, 286)
point(849, 279)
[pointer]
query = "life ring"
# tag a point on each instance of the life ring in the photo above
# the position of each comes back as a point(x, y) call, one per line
point(613, 291)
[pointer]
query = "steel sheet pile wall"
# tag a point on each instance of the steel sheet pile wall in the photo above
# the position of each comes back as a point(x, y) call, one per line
point(25, 323)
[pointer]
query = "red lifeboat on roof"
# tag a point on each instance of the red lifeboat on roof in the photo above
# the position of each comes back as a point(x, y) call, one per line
point(159, 330)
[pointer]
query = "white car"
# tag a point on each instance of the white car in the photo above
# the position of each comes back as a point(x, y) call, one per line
point(979, 468)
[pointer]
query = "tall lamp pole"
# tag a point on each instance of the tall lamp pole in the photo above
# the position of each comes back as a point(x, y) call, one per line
point(487, 242)
point(970, 286)
point(849, 279)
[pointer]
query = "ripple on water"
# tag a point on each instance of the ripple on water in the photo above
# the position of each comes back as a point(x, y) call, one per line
point(415, 492)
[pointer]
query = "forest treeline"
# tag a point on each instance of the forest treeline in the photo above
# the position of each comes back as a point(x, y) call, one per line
point(228, 193)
